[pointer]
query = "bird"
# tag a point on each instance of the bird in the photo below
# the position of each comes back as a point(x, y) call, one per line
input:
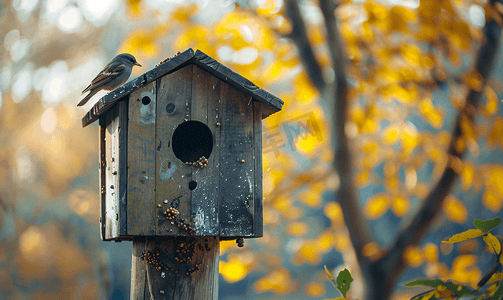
point(113, 75)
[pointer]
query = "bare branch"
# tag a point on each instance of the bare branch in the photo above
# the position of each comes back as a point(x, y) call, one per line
point(299, 37)
point(392, 265)
point(346, 194)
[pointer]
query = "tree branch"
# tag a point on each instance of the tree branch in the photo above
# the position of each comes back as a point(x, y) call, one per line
point(391, 266)
point(299, 37)
point(346, 194)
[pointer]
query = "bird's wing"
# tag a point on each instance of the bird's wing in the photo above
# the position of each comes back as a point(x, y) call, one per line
point(106, 75)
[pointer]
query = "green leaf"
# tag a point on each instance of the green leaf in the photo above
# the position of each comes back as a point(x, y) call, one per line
point(499, 293)
point(463, 236)
point(424, 296)
point(425, 282)
point(344, 280)
point(487, 225)
point(330, 277)
point(458, 289)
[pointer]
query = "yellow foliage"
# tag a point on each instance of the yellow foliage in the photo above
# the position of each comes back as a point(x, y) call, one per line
point(399, 17)
point(400, 206)
point(430, 252)
point(232, 271)
point(278, 281)
point(413, 256)
point(141, 43)
point(404, 95)
point(492, 102)
point(492, 201)
point(333, 211)
point(412, 54)
point(391, 134)
point(195, 37)
point(475, 81)
point(184, 13)
point(315, 289)
point(297, 229)
point(410, 138)
point(492, 242)
point(376, 206)
point(134, 8)
point(434, 116)
point(454, 209)
point(303, 89)
point(496, 133)
point(467, 176)
point(464, 269)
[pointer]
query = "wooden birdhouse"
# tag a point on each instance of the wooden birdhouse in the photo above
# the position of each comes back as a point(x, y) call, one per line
point(181, 152)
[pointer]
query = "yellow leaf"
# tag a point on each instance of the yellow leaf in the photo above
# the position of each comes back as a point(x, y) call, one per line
point(333, 211)
point(492, 242)
point(411, 53)
point(400, 206)
point(496, 134)
point(475, 81)
point(495, 277)
point(454, 209)
point(494, 179)
point(491, 201)
point(464, 269)
point(413, 256)
point(432, 115)
point(410, 138)
point(399, 16)
point(492, 102)
point(315, 289)
point(390, 134)
point(297, 229)
point(376, 206)
point(431, 252)
point(466, 235)
point(467, 176)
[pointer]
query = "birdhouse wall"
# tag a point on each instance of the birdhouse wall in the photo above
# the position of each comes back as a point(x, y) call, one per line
point(145, 142)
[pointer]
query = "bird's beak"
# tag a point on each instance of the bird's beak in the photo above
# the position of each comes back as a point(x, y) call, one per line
point(137, 64)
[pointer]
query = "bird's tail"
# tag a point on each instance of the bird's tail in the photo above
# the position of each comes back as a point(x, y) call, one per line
point(86, 98)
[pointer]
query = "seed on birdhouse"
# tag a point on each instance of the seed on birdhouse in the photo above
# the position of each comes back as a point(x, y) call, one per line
point(242, 160)
point(218, 124)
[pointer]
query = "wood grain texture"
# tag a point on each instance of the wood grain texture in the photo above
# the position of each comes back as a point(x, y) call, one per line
point(205, 197)
point(258, 222)
point(123, 107)
point(112, 166)
point(138, 271)
point(103, 176)
point(173, 176)
point(236, 164)
point(141, 161)
point(178, 282)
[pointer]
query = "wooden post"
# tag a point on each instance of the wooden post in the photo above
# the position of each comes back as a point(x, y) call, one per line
point(175, 268)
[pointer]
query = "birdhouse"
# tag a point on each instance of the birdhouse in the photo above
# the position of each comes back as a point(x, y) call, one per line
point(181, 152)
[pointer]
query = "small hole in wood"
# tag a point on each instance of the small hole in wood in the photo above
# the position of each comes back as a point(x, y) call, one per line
point(192, 185)
point(191, 140)
point(170, 108)
point(145, 100)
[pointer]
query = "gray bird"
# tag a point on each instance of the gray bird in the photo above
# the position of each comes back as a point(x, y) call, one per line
point(115, 74)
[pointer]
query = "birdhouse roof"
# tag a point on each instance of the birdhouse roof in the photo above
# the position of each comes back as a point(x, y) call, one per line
point(198, 58)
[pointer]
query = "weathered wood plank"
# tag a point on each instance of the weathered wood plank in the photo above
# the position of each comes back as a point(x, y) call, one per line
point(205, 198)
point(138, 271)
point(257, 159)
point(214, 67)
point(141, 161)
point(236, 164)
point(102, 179)
point(183, 280)
point(173, 176)
point(123, 107)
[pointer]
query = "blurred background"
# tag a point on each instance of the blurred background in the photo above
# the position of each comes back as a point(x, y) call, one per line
point(408, 67)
